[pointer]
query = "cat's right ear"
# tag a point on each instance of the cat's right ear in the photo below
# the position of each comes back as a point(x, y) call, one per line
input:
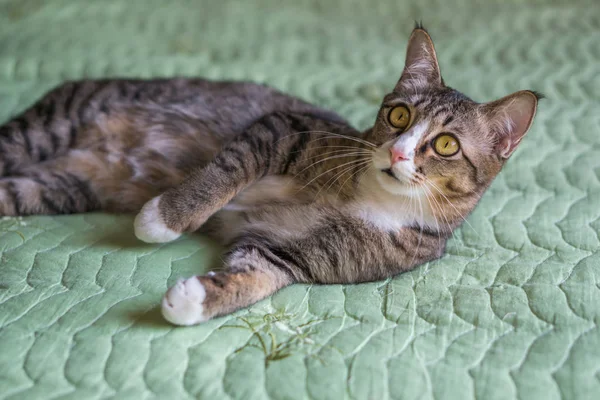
point(421, 68)
point(510, 118)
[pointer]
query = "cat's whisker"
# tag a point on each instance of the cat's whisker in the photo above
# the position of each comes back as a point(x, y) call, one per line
point(333, 134)
point(338, 147)
point(435, 218)
point(410, 202)
point(346, 137)
point(354, 138)
point(441, 211)
point(359, 157)
point(299, 133)
point(329, 158)
point(339, 175)
point(417, 178)
point(412, 191)
point(438, 207)
point(336, 176)
point(433, 214)
point(326, 172)
point(430, 182)
point(360, 170)
point(454, 236)
point(337, 152)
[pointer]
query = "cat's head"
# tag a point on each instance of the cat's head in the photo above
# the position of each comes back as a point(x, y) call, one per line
point(434, 141)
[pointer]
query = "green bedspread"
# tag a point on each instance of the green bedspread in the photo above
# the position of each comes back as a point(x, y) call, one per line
point(511, 311)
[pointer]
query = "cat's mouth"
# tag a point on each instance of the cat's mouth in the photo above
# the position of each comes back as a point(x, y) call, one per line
point(390, 173)
point(414, 179)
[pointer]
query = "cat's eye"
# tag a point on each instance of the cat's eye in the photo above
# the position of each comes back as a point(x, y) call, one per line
point(399, 117)
point(446, 145)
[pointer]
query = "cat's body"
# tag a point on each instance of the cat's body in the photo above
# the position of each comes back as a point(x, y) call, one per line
point(147, 133)
point(294, 191)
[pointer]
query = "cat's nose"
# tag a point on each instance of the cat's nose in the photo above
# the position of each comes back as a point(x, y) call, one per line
point(397, 155)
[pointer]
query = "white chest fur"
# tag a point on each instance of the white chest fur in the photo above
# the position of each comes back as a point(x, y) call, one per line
point(388, 211)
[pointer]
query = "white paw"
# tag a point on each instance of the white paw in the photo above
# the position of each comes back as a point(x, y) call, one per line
point(182, 305)
point(149, 226)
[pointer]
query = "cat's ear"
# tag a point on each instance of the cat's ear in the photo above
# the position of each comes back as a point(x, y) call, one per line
point(421, 67)
point(510, 118)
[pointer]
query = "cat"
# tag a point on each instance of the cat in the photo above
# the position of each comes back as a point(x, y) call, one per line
point(293, 191)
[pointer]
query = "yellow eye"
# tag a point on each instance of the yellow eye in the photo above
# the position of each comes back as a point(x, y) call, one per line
point(446, 145)
point(399, 117)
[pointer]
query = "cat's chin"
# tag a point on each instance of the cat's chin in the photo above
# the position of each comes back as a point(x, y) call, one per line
point(394, 185)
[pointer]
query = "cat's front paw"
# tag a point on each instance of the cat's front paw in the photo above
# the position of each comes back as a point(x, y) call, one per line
point(150, 227)
point(182, 305)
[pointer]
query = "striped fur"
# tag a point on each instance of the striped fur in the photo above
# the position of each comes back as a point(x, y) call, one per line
point(294, 191)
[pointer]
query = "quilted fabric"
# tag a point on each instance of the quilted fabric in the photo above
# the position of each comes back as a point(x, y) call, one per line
point(510, 312)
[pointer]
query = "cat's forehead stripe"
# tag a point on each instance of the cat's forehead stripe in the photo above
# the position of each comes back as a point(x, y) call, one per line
point(448, 120)
point(419, 101)
point(440, 111)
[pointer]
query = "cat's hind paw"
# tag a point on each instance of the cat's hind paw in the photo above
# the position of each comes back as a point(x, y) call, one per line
point(182, 305)
point(149, 226)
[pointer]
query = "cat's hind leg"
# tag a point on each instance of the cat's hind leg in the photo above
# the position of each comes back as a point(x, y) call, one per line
point(59, 193)
point(154, 112)
point(85, 180)
point(48, 128)
point(251, 274)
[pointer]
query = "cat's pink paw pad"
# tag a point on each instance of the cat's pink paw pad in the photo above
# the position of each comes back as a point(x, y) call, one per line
point(149, 226)
point(182, 305)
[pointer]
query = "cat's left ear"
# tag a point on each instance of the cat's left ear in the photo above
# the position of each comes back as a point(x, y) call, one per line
point(510, 118)
point(421, 67)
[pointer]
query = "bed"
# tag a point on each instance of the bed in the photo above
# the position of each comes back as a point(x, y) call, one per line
point(511, 311)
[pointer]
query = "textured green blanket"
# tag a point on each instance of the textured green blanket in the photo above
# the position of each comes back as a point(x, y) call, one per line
point(511, 311)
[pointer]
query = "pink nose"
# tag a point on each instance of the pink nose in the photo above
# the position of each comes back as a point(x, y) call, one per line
point(397, 155)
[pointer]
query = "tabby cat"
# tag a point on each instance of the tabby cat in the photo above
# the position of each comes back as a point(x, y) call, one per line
point(294, 191)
